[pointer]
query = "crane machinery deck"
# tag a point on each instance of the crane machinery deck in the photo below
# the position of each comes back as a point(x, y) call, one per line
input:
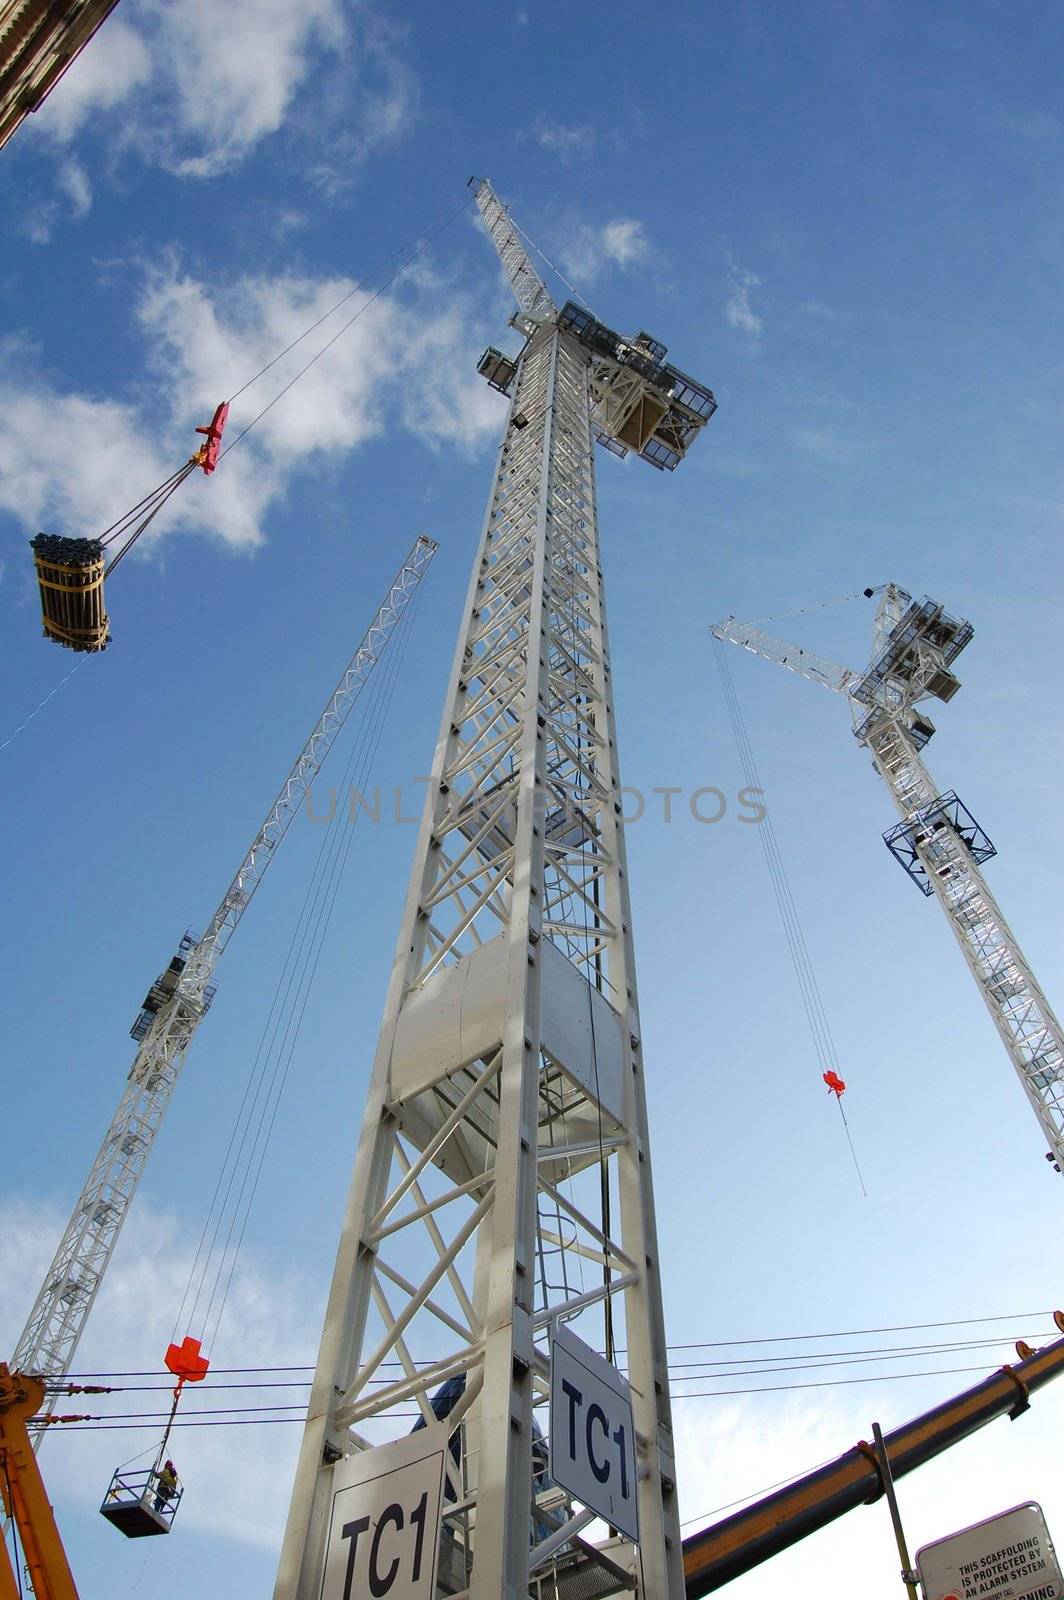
point(167, 1020)
point(938, 842)
point(508, 1079)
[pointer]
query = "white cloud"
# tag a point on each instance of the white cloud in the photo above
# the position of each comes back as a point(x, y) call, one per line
point(738, 312)
point(565, 141)
point(39, 223)
point(73, 181)
point(72, 462)
point(195, 90)
point(828, 445)
point(41, 218)
point(233, 84)
point(378, 112)
point(823, 313)
point(110, 70)
point(621, 243)
point(445, 401)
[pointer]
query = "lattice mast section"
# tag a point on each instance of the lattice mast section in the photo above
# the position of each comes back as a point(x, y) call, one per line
point(167, 1022)
point(503, 1177)
point(938, 841)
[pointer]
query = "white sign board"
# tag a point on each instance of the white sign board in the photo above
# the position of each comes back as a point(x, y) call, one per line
point(1009, 1557)
point(592, 1434)
point(384, 1521)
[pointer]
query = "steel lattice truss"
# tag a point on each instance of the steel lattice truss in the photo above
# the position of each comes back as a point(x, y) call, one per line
point(530, 291)
point(938, 841)
point(167, 1024)
point(503, 1178)
point(1023, 1017)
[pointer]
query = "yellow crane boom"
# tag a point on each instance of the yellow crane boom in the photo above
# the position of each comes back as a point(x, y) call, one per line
point(25, 1500)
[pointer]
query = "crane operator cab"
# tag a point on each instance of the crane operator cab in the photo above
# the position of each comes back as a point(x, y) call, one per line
point(141, 1504)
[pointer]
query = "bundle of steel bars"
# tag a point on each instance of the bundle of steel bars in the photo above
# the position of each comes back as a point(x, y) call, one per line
point(70, 576)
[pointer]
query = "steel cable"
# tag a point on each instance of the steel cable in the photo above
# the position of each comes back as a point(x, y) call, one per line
point(808, 986)
point(257, 1115)
point(394, 666)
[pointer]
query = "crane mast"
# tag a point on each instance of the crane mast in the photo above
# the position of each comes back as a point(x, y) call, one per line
point(172, 1010)
point(504, 1147)
point(937, 840)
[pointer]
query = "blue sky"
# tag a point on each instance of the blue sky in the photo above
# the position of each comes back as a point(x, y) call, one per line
point(848, 220)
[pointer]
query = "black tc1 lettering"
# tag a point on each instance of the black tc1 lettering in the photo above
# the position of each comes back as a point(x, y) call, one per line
point(596, 1419)
point(392, 1517)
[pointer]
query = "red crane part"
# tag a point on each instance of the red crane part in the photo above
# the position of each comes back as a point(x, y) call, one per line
point(834, 1083)
point(185, 1361)
point(207, 455)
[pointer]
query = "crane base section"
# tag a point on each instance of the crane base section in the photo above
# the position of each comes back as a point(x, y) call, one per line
point(70, 579)
point(137, 1506)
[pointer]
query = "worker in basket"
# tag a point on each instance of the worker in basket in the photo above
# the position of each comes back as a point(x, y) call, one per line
point(166, 1486)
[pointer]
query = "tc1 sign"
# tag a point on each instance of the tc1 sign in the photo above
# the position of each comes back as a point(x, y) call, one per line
point(592, 1436)
point(384, 1522)
point(1008, 1557)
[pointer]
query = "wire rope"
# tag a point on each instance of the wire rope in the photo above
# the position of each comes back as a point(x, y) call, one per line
point(241, 1123)
point(544, 257)
point(704, 1344)
point(422, 247)
point(819, 605)
point(13, 735)
point(757, 1494)
point(323, 318)
point(147, 519)
point(234, 1416)
point(801, 960)
point(307, 979)
point(214, 1267)
point(677, 1370)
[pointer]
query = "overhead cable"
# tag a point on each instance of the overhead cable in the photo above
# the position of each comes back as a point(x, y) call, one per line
point(234, 1416)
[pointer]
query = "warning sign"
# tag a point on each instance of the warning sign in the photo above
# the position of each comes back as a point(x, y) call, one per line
point(1008, 1557)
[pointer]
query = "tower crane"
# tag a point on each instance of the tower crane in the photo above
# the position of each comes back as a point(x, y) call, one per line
point(172, 1010)
point(937, 841)
point(508, 1079)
